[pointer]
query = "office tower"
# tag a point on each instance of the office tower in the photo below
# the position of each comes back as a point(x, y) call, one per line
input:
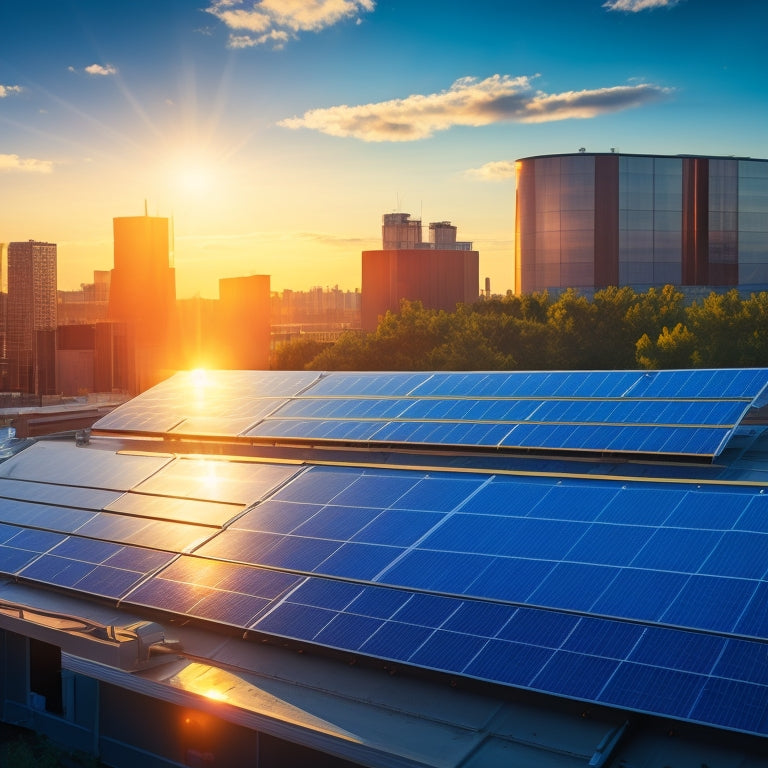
point(588, 221)
point(31, 317)
point(440, 273)
point(142, 301)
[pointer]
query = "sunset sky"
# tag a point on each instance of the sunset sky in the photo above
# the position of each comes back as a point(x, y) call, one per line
point(277, 132)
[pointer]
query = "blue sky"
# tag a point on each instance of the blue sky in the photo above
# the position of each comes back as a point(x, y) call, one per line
point(276, 133)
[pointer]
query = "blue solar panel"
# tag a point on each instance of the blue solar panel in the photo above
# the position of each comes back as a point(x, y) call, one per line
point(13, 560)
point(358, 561)
point(509, 578)
point(395, 640)
point(348, 408)
point(687, 651)
point(272, 516)
point(398, 527)
point(442, 649)
point(611, 639)
point(348, 630)
point(231, 608)
point(368, 384)
point(335, 522)
point(622, 592)
point(317, 485)
point(708, 602)
point(732, 704)
point(509, 662)
point(484, 619)
point(573, 586)
point(739, 554)
point(575, 675)
point(381, 490)
point(652, 689)
point(640, 594)
point(379, 603)
point(742, 660)
point(609, 544)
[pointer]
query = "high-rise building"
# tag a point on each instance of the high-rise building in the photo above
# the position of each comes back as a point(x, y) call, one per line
point(588, 221)
point(31, 317)
point(440, 273)
point(142, 298)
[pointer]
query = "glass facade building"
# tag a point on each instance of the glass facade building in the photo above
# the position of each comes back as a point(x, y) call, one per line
point(588, 221)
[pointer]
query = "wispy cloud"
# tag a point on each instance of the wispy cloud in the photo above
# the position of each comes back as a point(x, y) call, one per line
point(470, 102)
point(10, 163)
point(103, 70)
point(634, 6)
point(277, 21)
point(498, 170)
point(7, 90)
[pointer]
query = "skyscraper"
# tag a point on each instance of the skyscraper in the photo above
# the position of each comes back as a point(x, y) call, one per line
point(142, 301)
point(31, 317)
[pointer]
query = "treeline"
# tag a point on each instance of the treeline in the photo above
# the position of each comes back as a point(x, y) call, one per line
point(617, 329)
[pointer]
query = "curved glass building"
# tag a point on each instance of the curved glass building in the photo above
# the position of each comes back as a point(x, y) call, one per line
point(590, 220)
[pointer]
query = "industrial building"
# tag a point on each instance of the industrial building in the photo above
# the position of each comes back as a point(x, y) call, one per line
point(396, 569)
point(440, 272)
point(592, 220)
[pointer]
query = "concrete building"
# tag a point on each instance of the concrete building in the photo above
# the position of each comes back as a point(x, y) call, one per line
point(142, 297)
point(31, 317)
point(590, 220)
point(440, 272)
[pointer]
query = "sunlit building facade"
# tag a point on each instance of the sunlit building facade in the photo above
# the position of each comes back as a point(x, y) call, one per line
point(142, 299)
point(440, 272)
point(31, 317)
point(591, 220)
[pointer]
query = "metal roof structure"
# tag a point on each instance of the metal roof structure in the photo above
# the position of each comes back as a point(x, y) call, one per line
point(370, 516)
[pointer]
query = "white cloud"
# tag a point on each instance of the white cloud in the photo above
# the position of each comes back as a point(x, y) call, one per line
point(498, 170)
point(635, 6)
point(7, 90)
point(9, 163)
point(469, 102)
point(98, 69)
point(276, 21)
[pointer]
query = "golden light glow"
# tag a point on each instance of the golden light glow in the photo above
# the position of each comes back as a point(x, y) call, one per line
point(198, 377)
point(215, 695)
point(193, 173)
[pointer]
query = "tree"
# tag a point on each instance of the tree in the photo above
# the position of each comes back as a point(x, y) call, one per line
point(672, 349)
point(295, 355)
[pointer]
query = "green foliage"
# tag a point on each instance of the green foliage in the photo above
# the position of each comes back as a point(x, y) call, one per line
point(297, 354)
point(617, 329)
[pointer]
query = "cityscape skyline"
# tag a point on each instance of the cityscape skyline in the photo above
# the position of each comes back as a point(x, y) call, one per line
point(275, 134)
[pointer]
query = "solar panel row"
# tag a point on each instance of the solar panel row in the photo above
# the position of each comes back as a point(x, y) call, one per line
point(666, 412)
point(635, 594)
point(588, 658)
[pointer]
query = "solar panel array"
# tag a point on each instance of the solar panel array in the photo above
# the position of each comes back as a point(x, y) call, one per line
point(679, 413)
point(643, 595)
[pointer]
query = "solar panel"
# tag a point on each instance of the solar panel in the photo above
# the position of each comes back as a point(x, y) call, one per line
point(209, 479)
point(61, 495)
point(685, 413)
point(85, 467)
point(631, 593)
point(225, 401)
point(173, 508)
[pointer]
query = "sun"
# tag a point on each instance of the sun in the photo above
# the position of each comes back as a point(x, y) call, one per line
point(193, 176)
